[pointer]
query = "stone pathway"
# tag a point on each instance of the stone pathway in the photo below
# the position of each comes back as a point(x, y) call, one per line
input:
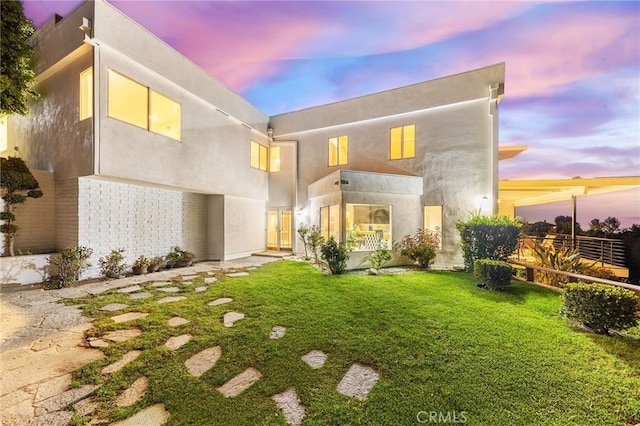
point(42, 343)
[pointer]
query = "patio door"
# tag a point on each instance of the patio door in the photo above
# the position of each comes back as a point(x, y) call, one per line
point(279, 229)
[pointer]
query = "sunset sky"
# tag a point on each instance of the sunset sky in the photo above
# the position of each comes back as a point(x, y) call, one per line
point(572, 91)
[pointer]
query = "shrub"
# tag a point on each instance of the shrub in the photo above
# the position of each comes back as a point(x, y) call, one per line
point(69, 265)
point(141, 262)
point(488, 237)
point(420, 247)
point(560, 259)
point(336, 255)
point(177, 255)
point(494, 274)
point(379, 256)
point(316, 241)
point(112, 265)
point(600, 307)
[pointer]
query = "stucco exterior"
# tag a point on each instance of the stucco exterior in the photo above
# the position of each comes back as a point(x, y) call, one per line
point(119, 185)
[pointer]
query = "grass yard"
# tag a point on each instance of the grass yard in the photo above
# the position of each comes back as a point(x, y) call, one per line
point(439, 343)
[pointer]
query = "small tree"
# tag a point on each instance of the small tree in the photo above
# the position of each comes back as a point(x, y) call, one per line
point(69, 265)
point(303, 231)
point(16, 72)
point(17, 184)
point(315, 240)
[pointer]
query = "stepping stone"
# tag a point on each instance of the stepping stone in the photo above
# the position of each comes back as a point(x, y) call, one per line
point(203, 361)
point(315, 359)
point(133, 393)
point(291, 407)
point(238, 274)
point(200, 289)
point(114, 307)
point(151, 416)
point(189, 277)
point(177, 341)
point(130, 316)
point(85, 407)
point(220, 301)
point(97, 343)
point(58, 402)
point(251, 268)
point(169, 289)
point(129, 289)
point(238, 384)
point(118, 365)
point(277, 332)
point(230, 317)
point(358, 381)
point(210, 280)
point(137, 296)
point(170, 299)
point(122, 335)
point(177, 321)
point(161, 283)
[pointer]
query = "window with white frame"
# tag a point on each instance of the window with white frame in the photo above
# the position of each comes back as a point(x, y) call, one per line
point(370, 224)
point(402, 142)
point(338, 151)
point(85, 107)
point(433, 220)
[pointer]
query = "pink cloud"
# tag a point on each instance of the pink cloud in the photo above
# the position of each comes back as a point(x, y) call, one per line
point(227, 39)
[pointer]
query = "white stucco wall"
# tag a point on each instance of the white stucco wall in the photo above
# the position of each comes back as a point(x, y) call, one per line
point(244, 226)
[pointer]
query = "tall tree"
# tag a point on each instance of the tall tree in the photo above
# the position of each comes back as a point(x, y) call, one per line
point(16, 55)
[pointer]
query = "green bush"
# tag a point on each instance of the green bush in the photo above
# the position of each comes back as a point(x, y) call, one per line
point(488, 237)
point(379, 256)
point(336, 255)
point(420, 247)
point(494, 274)
point(561, 259)
point(69, 265)
point(600, 307)
point(112, 265)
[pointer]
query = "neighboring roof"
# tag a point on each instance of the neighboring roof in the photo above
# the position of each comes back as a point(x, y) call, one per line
point(510, 151)
point(533, 192)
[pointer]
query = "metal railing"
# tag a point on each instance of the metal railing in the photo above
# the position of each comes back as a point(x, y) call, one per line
point(606, 251)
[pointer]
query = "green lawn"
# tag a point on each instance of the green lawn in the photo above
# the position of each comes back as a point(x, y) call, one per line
point(439, 343)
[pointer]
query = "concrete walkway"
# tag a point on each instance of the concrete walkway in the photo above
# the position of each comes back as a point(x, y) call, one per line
point(41, 343)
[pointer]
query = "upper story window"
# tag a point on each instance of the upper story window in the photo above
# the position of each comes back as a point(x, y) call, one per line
point(128, 100)
point(165, 116)
point(136, 104)
point(338, 151)
point(258, 156)
point(274, 156)
point(85, 106)
point(402, 142)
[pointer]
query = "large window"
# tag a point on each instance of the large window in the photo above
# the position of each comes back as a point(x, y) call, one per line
point(135, 104)
point(338, 151)
point(274, 155)
point(330, 222)
point(86, 94)
point(433, 220)
point(128, 100)
point(370, 224)
point(165, 116)
point(402, 142)
point(258, 156)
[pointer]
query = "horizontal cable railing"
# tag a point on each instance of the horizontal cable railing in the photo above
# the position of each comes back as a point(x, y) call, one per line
point(606, 251)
